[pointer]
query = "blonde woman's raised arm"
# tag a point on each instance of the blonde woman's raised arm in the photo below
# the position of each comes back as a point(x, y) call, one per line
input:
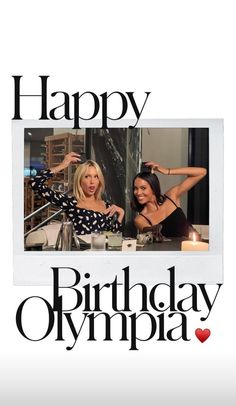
point(72, 157)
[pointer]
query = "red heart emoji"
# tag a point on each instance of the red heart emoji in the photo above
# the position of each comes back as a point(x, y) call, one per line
point(202, 335)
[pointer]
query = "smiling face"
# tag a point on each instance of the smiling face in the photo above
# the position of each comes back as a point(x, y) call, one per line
point(143, 192)
point(90, 182)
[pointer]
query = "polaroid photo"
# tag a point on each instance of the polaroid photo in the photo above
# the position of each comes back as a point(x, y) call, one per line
point(160, 185)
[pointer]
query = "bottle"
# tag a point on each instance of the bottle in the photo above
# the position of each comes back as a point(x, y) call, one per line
point(66, 236)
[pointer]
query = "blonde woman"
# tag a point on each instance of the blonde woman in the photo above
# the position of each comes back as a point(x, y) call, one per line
point(85, 209)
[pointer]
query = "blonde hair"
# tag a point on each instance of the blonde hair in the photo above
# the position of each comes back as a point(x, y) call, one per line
point(80, 173)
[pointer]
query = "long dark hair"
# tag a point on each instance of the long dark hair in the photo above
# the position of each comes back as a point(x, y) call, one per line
point(153, 181)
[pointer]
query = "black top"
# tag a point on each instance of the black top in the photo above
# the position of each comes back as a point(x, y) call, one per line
point(175, 225)
point(84, 221)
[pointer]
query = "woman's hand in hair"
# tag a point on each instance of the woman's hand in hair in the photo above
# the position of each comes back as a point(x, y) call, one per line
point(111, 210)
point(71, 158)
point(157, 167)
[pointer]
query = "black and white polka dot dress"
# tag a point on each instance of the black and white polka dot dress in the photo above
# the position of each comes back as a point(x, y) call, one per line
point(84, 221)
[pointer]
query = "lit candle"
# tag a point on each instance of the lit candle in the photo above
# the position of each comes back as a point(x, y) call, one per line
point(194, 245)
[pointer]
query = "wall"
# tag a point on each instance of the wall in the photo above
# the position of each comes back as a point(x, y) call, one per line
point(169, 147)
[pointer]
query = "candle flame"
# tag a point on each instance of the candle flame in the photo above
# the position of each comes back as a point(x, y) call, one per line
point(194, 237)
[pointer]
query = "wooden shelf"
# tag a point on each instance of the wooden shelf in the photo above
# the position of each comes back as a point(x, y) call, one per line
point(66, 142)
point(54, 150)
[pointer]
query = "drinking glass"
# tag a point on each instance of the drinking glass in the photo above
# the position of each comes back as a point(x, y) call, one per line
point(98, 241)
point(115, 241)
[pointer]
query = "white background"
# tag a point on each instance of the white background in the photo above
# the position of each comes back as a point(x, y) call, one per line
point(184, 53)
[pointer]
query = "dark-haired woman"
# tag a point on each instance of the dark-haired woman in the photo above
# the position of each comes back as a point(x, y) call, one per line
point(155, 208)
